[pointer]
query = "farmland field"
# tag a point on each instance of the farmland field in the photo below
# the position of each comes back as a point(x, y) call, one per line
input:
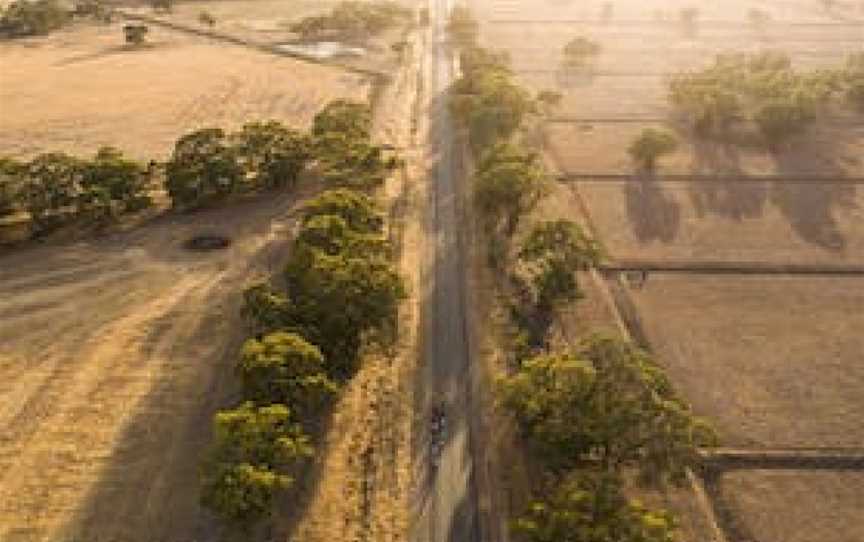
point(797, 507)
point(773, 361)
point(142, 99)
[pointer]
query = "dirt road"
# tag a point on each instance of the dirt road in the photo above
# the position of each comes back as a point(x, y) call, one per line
point(449, 508)
point(114, 354)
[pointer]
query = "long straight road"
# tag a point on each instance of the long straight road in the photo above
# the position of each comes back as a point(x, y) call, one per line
point(449, 502)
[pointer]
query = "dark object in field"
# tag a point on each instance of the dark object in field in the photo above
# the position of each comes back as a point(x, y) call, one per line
point(207, 242)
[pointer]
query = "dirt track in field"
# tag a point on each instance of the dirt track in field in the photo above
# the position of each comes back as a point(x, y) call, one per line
point(114, 354)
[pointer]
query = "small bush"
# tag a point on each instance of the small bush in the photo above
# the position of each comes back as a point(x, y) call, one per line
point(31, 18)
point(650, 145)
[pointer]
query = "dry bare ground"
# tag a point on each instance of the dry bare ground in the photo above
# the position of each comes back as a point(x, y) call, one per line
point(82, 88)
point(115, 354)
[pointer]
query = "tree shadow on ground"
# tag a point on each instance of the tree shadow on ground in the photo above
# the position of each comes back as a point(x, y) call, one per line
point(735, 200)
point(110, 51)
point(653, 214)
point(811, 207)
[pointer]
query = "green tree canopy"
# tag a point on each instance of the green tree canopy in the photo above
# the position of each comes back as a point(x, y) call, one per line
point(553, 252)
point(344, 161)
point(340, 297)
point(204, 166)
point(284, 368)
point(650, 145)
point(259, 435)
point(580, 51)
point(592, 507)
point(11, 179)
point(112, 179)
point(347, 118)
point(271, 154)
point(33, 17)
point(51, 187)
point(605, 406)
point(265, 309)
point(332, 235)
point(352, 21)
point(490, 106)
point(240, 492)
point(358, 210)
point(508, 183)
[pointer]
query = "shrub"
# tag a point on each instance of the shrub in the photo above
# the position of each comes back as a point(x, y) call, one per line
point(51, 188)
point(284, 368)
point(592, 507)
point(203, 167)
point(207, 19)
point(509, 182)
point(605, 406)
point(254, 447)
point(356, 209)
point(580, 51)
point(30, 18)
point(271, 154)
point(650, 145)
point(240, 492)
point(339, 298)
point(553, 252)
point(352, 21)
point(11, 172)
point(116, 180)
point(346, 118)
point(135, 34)
point(489, 105)
point(266, 310)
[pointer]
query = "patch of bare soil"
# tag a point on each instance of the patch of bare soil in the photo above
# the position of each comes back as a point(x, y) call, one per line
point(796, 506)
point(115, 355)
point(83, 88)
point(773, 362)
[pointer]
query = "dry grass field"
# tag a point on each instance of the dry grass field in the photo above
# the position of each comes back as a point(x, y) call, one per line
point(110, 373)
point(774, 222)
point(773, 361)
point(115, 352)
point(795, 506)
point(82, 88)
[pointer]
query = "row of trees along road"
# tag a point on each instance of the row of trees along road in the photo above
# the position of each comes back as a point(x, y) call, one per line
point(342, 292)
point(598, 411)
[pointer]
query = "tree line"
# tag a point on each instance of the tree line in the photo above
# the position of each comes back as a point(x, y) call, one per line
point(56, 188)
point(352, 21)
point(766, 89)
point(341, 292)
point(592, 413)
point(207, 166)
point(23, 18)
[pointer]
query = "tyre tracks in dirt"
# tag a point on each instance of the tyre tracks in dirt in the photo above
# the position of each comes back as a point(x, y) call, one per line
point(111, 372)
